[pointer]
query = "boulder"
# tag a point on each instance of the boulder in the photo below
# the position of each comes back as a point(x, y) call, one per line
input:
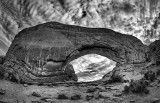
point(2, 92)
point(36, 94)
point(62, 96)
point(69, 70)
point(33, 48)
point(76, 97)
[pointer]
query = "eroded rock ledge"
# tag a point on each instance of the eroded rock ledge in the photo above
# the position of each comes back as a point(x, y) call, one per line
point(42, 53)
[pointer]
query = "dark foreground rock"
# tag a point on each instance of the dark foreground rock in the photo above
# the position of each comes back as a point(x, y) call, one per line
point(71, 73)
point(76, 97)
point(2, 102)
point(62, 96)
point(36, 94)
point(41, 54)
point(2, 92)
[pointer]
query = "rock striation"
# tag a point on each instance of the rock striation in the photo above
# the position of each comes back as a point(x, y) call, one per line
point(134, 71)
point(42, 53)
point(154, 52)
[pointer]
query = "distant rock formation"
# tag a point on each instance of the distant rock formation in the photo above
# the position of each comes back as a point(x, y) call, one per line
point(33, 48)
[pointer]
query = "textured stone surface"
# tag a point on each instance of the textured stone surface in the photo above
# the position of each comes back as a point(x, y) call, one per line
point(71, 73)
point(126, 72)
point(53, 45)
point(138, 71)
point(154, 52)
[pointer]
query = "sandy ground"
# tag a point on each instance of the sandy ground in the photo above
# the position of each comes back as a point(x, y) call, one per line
point(11, 92)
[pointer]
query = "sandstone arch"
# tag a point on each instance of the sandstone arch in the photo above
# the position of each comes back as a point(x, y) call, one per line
point(63, 43)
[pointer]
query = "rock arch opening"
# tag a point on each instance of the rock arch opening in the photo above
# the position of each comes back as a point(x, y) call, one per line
point(92, 67)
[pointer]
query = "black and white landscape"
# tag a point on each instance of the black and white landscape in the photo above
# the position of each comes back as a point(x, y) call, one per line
point(79, 51)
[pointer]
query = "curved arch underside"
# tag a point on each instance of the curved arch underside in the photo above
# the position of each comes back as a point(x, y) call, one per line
point(106, 52)
point(92, 67)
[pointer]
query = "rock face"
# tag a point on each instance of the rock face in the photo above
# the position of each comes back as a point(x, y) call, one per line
point(42, 52)
point(154, 52)
point(126, 72)
point(130, 72)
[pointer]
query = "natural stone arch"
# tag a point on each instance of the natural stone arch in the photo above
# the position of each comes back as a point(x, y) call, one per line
point(62, 43)
point(106, 52)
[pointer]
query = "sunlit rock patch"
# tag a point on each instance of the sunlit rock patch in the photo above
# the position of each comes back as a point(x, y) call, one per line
point(92, 67)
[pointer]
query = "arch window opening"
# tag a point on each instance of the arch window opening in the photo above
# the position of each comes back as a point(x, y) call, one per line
point(92, 67)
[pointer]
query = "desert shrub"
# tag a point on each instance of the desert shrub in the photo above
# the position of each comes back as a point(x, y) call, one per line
point(157, 63)
point(150, 75)
point(126, 89)
point(158, 72)
point(1, 59)
point(116, 78)
point(139, 86)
